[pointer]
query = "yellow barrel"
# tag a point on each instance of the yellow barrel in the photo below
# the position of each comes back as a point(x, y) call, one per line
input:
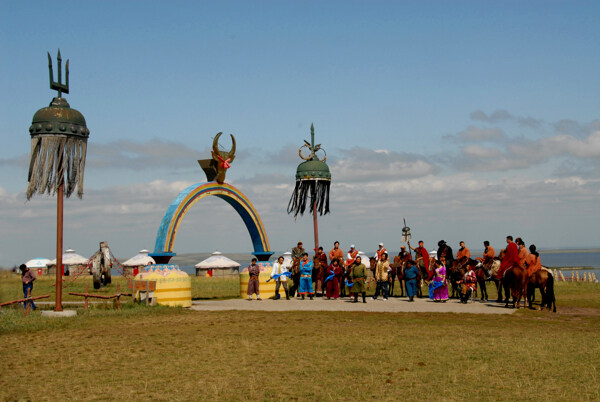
point(173, 286)
point(267, 289)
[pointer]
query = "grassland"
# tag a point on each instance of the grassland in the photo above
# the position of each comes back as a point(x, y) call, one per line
point(177, 354)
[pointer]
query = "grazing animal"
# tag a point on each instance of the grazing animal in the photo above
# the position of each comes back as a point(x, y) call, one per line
point(543, 280)
point(398, 268)
point(514, 282)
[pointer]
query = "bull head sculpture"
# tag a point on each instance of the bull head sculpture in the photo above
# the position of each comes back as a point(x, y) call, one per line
point(216, 168)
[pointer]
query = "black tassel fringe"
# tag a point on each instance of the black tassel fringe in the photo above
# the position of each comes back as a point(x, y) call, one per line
point(308, 191)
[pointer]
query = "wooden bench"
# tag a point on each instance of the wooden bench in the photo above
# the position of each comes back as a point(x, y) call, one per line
point(142, 286)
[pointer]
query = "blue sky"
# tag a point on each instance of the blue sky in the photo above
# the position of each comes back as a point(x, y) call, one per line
point(471, 119)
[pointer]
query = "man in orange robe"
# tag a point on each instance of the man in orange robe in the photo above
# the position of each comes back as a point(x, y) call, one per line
point(336, 253)
point(511, 259)
point(463, 251)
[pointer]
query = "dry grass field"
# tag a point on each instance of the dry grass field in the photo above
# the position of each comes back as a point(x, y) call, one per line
point(176, 354)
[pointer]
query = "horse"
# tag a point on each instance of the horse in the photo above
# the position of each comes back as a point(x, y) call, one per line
point(295, 270)
point(455, 274)
point(515, 281)
point(543, 280)
point(318, 276)
point(397, 272)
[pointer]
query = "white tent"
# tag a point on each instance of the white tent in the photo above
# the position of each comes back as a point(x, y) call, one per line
point(37, 263)
point(287, 259)
point(217, 261)
point(71, 258)
point(140, 259)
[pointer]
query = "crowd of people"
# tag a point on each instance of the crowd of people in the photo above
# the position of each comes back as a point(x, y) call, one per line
point(346, 274)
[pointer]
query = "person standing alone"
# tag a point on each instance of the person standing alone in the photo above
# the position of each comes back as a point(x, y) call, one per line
point(27, 278)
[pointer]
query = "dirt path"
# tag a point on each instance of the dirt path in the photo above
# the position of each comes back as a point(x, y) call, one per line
point(393, 305)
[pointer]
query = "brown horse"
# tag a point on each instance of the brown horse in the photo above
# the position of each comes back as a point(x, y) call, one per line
point(318, 276)
point(455, 274)
point(397, 272)
point(543, 280)
point(295, 270)
point(515, 281)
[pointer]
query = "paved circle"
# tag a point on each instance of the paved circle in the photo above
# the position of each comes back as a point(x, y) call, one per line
point(393, 305)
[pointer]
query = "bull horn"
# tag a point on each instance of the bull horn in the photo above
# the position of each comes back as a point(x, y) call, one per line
point(232, 152)
point(216, 143)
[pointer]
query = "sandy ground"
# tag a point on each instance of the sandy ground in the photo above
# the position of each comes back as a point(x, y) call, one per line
point(393, 305)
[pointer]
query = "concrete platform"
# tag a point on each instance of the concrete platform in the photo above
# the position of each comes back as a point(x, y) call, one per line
point(58, 314)
point(393, 305)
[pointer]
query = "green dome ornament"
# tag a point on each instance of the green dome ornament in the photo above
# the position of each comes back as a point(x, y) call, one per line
point(58, 143)
point(313, 180)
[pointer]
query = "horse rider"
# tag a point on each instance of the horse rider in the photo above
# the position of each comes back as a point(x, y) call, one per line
point(298, 251)
point(336, 253)
point(422, 258)
point(321, 257)
point(511, 259)
point(379, 252)
point(444, 253)
point(523, 252)
point(463, 252)
point(403, 254)
point(488, 257)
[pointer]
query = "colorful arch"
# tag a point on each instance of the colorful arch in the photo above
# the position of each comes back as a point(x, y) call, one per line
point(165, 238)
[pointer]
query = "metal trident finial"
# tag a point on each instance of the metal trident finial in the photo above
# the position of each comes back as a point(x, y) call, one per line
point(59, 86)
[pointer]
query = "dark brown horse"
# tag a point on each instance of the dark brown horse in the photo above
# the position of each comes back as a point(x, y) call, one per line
point(318, 276)
point(515, 281)
point(295, 270)
point(397, 272)
point(455, 274)
point(543, 280)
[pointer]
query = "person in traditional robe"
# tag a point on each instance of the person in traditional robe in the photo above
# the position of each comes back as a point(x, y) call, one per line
point(403, 254)
point(279, 269)
point(322, 257)
point(440, 293)
point(358, 275)
point(253, 281)
point(444, 253)
point(510, 259)
point(379, 252)
point(306, 267)
point(332, 281)
point(352, 254)
point(410, 277)
point(463, 252)
point(381, 276)
point(298, 251)
point(523, 252)
point(469, 284)
point(336, 253)
point(533, 261)
point(488, 253)
point(422, 257)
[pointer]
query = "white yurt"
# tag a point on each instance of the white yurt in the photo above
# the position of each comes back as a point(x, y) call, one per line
point(38, 265)
point(71, 261)
point(287, 259)
point(137, 262)
point(217, 265)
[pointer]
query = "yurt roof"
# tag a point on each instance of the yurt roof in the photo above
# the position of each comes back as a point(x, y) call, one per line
point(69, 257)
point(37, 263)
point(217, 260)
point(142, 258)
